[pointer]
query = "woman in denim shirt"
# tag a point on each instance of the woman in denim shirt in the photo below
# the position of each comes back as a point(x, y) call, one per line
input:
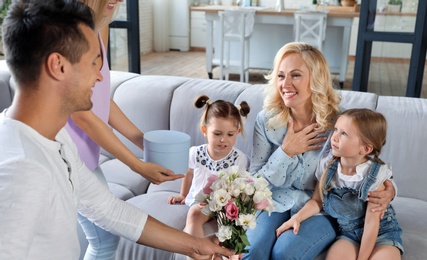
point(291, 133)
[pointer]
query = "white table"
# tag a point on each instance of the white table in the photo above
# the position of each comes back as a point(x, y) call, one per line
point(273, 29)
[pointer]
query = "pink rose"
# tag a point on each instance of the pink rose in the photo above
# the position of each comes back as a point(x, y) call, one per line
point(262, 205)
point(231, 210)
point(207, 189)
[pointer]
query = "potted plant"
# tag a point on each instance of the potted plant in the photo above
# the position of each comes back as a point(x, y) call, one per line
point(394, 6)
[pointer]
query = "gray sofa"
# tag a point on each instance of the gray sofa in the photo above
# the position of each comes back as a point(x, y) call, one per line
point(166, 102)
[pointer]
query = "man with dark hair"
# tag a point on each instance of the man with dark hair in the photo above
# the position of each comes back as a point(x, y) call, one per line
point(54, 56)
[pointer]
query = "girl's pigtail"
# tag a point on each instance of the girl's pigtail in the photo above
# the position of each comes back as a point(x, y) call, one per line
point(244, 109)
point(202, 101)
point(322, 182)
point(376, 157)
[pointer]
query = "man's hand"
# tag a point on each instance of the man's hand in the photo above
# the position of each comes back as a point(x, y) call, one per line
point(209, 248)
point(382, 198)
point(158, 235)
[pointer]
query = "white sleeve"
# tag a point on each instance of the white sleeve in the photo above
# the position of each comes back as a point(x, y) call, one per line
point(192, 157)
point(98, 204)
point(323, 163)
point(384, 174)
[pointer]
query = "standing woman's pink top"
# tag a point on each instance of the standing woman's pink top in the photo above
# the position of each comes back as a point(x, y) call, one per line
point(89, 151)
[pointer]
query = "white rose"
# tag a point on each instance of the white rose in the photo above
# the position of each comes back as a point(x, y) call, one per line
point(258, 197)
point(262, 195)
point(241, 183)
point(249, 188)
point(221, 197)
point(219, 184)
point(224, 233)
point(214, 206)
point(235, 189)
point(247, 221)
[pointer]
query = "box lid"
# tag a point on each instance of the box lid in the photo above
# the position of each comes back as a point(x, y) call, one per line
point(166, 141)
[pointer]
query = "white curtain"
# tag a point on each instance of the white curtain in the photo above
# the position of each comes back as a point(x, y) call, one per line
point(161, 25)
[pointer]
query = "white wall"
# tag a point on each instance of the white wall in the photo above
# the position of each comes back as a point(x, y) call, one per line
point(146, 25)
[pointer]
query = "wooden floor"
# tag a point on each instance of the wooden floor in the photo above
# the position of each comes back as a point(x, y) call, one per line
point(387, 78)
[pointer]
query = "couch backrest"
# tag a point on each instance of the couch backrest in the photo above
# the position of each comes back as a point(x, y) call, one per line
point(405, 147)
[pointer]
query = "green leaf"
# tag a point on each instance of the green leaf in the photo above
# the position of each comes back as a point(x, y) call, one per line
point(245, 239)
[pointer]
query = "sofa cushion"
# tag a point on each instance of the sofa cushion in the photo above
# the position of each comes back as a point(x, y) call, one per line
point(174, 186)
point(405, 146)
point(411, 214)
point(353, 99)
point(155, 204)
point(120, 191)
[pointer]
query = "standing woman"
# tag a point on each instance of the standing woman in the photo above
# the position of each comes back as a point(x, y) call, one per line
point(291, 133)
point(90, 130)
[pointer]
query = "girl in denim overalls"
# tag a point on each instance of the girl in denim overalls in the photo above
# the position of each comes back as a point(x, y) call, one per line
point(350, 174)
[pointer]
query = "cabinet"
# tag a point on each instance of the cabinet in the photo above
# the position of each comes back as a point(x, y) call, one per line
point(179, 24)
point(198, 30)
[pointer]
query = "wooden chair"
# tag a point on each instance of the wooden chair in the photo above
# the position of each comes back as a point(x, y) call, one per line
point(310, 27)
point(236, 25)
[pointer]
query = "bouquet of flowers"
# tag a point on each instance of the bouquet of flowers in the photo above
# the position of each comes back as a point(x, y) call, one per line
point(233, 198)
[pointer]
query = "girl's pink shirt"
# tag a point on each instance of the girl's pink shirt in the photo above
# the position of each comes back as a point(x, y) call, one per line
point(89, 151)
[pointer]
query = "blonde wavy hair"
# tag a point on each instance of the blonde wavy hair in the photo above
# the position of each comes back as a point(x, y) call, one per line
point(324, 98)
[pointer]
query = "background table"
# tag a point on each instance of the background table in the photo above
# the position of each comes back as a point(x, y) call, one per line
point(274, 29)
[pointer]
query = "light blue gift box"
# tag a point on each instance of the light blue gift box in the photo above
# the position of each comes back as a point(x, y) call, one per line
point(167, 148)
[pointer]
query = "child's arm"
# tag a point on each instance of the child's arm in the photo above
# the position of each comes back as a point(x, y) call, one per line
point(185, 188)
point(370, 230)
point(312, 207)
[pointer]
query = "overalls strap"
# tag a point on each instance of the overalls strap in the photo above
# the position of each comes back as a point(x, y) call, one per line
point(369, 180)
